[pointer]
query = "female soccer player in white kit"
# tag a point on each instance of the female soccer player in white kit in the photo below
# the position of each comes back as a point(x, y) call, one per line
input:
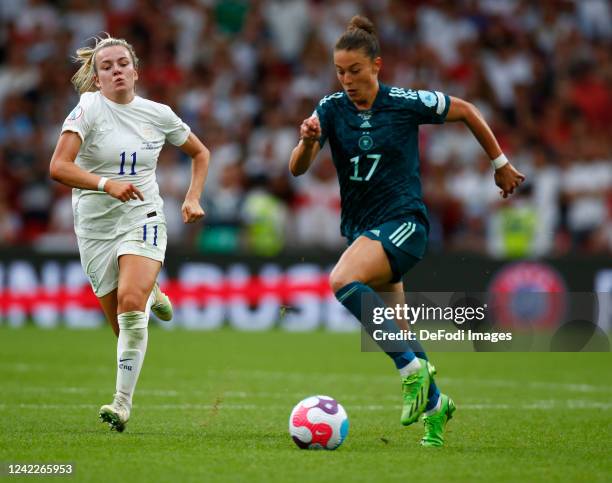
point(108, 152)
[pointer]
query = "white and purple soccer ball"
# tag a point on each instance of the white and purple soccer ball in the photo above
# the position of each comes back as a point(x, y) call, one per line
point(318, 422)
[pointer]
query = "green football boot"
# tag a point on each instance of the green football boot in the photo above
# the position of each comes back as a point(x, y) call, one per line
point(436, 423)
point(414, 392)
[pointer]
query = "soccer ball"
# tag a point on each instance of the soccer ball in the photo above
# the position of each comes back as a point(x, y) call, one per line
point(318, 422)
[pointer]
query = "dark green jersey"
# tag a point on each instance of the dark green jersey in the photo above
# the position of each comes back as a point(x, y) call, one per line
point(376, 153)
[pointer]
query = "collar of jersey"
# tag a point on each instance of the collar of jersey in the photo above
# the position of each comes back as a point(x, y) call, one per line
point(382, 90)
point(116, 104)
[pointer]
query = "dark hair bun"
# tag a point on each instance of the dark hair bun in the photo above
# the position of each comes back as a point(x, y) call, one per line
point(359, 22)
point(360, 34)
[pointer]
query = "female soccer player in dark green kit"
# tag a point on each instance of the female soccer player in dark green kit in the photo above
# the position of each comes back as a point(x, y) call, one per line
point(372, 130)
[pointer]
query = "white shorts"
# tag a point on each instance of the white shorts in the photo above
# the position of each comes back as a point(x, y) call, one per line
point(100, 258)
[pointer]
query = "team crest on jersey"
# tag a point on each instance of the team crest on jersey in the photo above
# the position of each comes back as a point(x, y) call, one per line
point(75, 113)
point(428, 98)
point(366, 142)
point(147, 131)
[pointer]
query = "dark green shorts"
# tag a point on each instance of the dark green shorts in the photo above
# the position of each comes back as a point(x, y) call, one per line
point(404, 242)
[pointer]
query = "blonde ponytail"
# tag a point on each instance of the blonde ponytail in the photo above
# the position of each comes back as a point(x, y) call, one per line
point(84, 78)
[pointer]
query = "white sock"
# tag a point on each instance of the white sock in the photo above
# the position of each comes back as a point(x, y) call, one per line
point(131, 348)
point(150, 301)
point(436, 408)
point(413, 366)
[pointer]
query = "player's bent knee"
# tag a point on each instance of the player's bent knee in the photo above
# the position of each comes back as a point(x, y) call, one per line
point(131, 301)
point(338, 280)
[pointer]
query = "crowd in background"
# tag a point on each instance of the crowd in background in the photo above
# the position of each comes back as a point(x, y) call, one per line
point(244, 74)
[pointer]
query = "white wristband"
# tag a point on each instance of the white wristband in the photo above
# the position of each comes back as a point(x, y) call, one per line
point(500, 161)
point(102, 183)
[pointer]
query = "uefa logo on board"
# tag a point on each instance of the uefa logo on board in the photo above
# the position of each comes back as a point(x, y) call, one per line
point(527, 294)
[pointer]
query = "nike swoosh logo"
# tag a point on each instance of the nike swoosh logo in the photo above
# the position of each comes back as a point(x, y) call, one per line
point(123, 360)
point(319, 433)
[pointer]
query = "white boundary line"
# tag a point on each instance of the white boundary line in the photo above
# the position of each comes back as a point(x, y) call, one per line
point(534, 405)
point(442, 381)
point(191, 393)
point(215, 375)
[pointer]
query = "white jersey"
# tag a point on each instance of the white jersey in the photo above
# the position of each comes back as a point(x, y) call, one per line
point(121, 142)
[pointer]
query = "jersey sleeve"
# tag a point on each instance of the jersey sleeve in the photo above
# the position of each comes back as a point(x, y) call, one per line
point(429, 107)
point(78, 121)
point(323, 112)
point(175, 130)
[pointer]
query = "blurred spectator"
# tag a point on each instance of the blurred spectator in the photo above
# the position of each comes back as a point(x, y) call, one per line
point(507, 67)
point(442, 27)
point(59, 236)
point(265, 217)
point(470, 186)
point(17, 76)
point(224, 212)
point(586, 185)
point(513, 227)
point(173, 177)
point(270, 145)
point(317, 207)
point(545, 180)
point(10, 219)
point(84, 19)
point(289, 24)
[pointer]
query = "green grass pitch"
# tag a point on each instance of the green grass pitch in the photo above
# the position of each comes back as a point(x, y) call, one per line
point(214, 406)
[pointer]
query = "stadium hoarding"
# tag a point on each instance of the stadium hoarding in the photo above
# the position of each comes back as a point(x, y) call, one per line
point(289, 292)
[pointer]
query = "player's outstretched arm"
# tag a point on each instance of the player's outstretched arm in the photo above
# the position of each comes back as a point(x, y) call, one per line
point(64, 170)
point(507, 177)
point(200, 156)
point(307, 149)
